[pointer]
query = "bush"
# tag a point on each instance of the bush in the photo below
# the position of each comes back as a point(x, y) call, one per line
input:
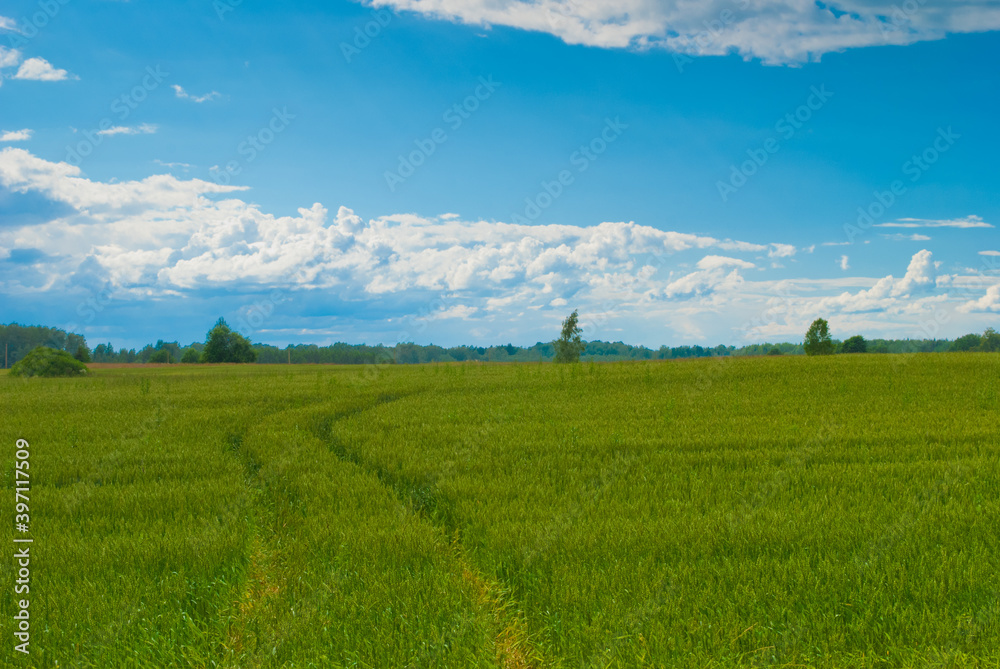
point(191, 356)
point(44, 361)
point(774, 351)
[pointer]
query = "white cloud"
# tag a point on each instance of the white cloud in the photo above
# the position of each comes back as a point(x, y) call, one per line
point(15, 135)
point(987, 303)
point(144, 129)
point(165, 236)
point(844, 263)
point(776, 31)
point(888, 292)
point(702, 282)
point(154, 198)
point(716, 262)
point(184, 95)
point(963, 223)
point(781, 251)
point(9, 57)
point(920, 275)
point(8, 24)
point(39, 69)
point(989, 253)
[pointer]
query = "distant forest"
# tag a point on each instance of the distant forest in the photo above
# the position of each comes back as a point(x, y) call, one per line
point(17, 340)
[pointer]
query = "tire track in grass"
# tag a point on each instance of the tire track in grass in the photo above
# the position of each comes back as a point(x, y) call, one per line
point(253, 609)
point(261, 579)
point(263, 582)
point(513, 645)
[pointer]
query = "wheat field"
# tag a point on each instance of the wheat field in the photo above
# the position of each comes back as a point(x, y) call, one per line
point(780, 511)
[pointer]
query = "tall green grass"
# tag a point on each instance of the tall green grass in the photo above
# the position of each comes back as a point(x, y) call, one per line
point(838, 512)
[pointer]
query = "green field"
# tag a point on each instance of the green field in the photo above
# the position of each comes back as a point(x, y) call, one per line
point(733, 512)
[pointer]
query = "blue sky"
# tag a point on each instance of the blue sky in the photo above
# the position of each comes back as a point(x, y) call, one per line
point(454, 171)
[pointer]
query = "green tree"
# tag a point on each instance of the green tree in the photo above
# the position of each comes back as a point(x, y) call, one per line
point(82, 353)
point(774, 351)
point(224, 345)
point(190, 356)
point(818, 340)
point(991, 341)
point(969, 342)
point(569, 346)
point(855, 344)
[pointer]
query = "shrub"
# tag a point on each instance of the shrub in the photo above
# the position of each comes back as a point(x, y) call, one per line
point(44, 361)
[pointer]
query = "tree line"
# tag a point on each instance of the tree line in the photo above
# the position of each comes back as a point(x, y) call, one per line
point(222, 344)
point(818, 341)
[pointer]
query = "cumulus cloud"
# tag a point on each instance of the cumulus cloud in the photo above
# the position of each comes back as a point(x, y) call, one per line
point(989, 302)
point(39, 69)
point(184, 95)
point(920, 277)
point(776, 31)
point(962, 223)
point(165, 237)
point(164, 234)
point(141, 201)
point(144, 129)
point(15, 135)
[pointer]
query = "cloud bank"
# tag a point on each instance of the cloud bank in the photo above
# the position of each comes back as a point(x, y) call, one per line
point(164, 237)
